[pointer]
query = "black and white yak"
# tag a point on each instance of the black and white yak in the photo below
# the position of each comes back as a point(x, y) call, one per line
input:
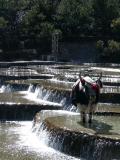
point(85, 95)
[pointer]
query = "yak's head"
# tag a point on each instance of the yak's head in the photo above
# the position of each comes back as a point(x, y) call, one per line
point(89, 80)
point(99, 82)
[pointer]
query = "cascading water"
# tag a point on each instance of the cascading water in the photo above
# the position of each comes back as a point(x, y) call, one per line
point(101, 140)
point(6, 89)
point(18, 142)
point(95, 148)
point(31, 88)
point(60, 129)
point(46, 95)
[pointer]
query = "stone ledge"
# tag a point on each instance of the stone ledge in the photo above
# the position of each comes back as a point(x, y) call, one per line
point(70, 136)
point(12, 111)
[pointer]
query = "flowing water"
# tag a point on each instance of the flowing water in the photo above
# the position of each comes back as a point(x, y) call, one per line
point(18, 142)
point(29, 83)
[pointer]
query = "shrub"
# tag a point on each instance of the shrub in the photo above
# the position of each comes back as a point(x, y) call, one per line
point(3, 22)
point(114, 46)
point(100, 45)
point(115, 25)
point(112, 49)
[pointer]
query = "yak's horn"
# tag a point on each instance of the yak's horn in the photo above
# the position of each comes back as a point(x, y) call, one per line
point(80, 74)
point(100, 76)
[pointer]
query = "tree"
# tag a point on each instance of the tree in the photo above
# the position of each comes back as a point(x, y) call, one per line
point(115, 25)
point(75, 16)
point(38, 20)
point(104, 12)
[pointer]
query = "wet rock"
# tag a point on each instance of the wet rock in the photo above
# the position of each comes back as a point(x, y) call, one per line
point(69, 135)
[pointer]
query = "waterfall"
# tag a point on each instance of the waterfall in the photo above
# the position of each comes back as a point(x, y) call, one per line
point(31, 88)
point(60, 129)
point(41, 132)
point(50, 95)
point(6, 88)
point(69, 139)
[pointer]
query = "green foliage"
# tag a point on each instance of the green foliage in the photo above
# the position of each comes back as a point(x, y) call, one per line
point(104, 12)
point(115, 25)
point(14, 4)
point(3, 22)
point(100, 45)
point(113, 47)
point(110, 50)
point(75, 16)
point(39, 19)
point(46, 29)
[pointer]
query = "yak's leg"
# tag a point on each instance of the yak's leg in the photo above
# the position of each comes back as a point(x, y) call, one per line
point(90, 117)
point(83, 117)
point(91, 111)
point(83, 113)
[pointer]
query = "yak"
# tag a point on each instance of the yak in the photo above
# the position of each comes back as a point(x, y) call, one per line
point(85, 95)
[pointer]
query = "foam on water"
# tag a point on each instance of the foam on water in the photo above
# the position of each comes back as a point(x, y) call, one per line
point(33, 142)
point(33, 97)
point(5, 89)
point(106, 69)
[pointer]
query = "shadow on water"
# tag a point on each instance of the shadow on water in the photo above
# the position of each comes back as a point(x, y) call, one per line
point(99, 127)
